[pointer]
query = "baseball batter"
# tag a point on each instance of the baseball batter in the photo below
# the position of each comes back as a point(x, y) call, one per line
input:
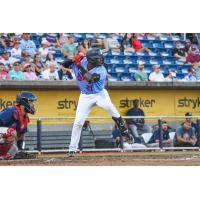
point(91, 77)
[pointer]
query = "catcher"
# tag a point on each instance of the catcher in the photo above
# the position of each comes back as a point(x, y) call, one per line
point(16, 119)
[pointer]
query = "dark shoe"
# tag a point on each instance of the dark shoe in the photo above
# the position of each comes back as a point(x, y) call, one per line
point(24, 155)
point(128, 136)
point(71, 154)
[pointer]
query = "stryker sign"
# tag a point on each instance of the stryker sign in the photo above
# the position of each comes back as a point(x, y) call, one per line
point(187, 102)
point(4, 103)
point(143, 103)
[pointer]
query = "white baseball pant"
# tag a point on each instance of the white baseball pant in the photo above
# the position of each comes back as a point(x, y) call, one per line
point(85, 103)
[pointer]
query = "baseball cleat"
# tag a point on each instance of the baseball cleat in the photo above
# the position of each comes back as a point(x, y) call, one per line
point(128, 136)
point(71, 154)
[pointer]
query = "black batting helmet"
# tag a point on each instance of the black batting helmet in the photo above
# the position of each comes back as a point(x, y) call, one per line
point(94, 56)
point(24, 98)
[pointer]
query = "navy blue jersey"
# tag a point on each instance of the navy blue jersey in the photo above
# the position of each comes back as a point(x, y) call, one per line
point(9, 118)
point(156, 136)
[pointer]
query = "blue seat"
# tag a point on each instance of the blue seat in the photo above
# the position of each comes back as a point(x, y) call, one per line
point(141, 53)
point(153, 38)
point(158, 45)
point(184, 69)
point(169, 45)
point(178, 62)
point(180, 76)
point(148, 68)
point(120, 69)
point(145, 60)
point(147, 44)
point(111, 69)
point(113, 77)
point(132, 69)
point(126, 77)
point(168, 61)
point(155, 61)
point(165, 38)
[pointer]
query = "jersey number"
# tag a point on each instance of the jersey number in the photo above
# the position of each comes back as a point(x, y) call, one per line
point(89, 87)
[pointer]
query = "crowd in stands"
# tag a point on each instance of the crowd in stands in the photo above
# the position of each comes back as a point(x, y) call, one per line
point(185, 135)
point(128, 56)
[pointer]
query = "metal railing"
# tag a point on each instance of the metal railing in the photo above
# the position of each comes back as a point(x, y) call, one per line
point(160, 118)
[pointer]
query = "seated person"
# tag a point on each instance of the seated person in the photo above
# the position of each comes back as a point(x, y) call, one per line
point(51, 73)
point(194, 125)
point(171, 76)
point(190, 75)
point(155, 138)
point(64, 74)
point(137, 45)
point(126, 44)
point(178, 52)
point(156, 75)
point(97, 42)
point(185, 136)
point(137, 123)
point(3, 72)
point(111, 43)
point(140, 74)
point(16, 73)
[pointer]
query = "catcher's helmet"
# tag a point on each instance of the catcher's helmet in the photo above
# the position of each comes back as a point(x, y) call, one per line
point(94, 56)
point(24, 98)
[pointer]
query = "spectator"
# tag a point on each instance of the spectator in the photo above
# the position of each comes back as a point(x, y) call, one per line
point(111, 43)
point(192, 37)
point(171, 76)
point(27, 45)
point(16, 73)
point(50, 60)
point(193, 125)
point(197, 71)
point(69, 49)
point(155, 138)
point(178, 52)
point(190, 76)
point(51, 73)
point(52, 39)
point(136, 124)
point(140, 74)
point(26, 59)
point(61, 39)
point(97, 42)
point(187, 46)
point(65, 74)
point(156, 75)
point(185, 136)
point(6, 60)
point(137, 45)
point(29, 72)
point(16, 50)
point(7, 40)
point(38, 65)
point(85, 46)
point(126, 44)
point(44, 49)
point(3, 72)
point(193, 55)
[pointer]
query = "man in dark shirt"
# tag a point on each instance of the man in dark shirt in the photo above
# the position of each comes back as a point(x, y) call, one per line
point(64, 74)
point(185, 136)
point(155, 138)
point(178, 52)
point(136, 124)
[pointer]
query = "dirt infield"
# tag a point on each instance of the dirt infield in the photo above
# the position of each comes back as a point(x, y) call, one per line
point(112, 159)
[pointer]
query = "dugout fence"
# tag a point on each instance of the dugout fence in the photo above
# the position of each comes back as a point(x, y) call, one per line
point(39, 132)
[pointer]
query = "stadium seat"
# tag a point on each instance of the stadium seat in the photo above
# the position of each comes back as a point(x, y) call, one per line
point(132, 69)
point(120, 69)
point(113, 77)
point(126, 77)
point(165, 38)
point(178, 62)
point(146, 137)
point(155, 61)
point(152, 38)
point(169, 45)
point(184, 69)
point(158, 45)
point(152, 53)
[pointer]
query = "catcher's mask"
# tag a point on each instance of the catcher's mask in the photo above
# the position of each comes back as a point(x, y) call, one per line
point(27, 100)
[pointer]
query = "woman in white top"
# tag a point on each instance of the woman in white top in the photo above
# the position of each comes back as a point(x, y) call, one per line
point(16, 50)
point(50, 60)
point(44, 49)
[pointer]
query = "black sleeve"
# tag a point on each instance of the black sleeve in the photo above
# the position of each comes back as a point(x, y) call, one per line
point(174, 51)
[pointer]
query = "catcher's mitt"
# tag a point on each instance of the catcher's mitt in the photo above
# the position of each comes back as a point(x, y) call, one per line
point(24, 155)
